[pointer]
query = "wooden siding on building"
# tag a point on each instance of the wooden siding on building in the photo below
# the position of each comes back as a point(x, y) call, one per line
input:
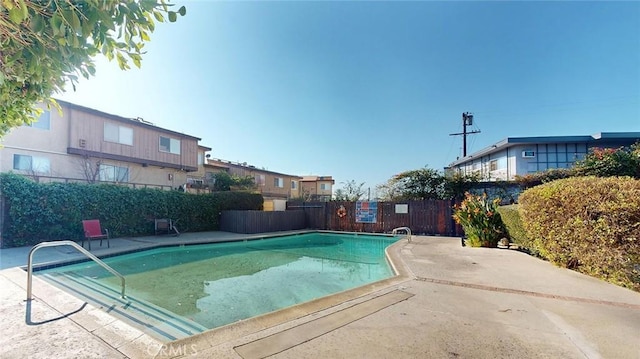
point(87, 137)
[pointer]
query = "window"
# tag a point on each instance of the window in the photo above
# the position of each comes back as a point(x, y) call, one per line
point(170, 145)
point(324, 186)
point(493, 165)
point(43, 122)
point(278, 182)
point(260, 180)
point(118, 134)
point(200, 158)
point(191, 180)
point(528, 154)
point(294, 184)
point(114, 173)
point(31, 163)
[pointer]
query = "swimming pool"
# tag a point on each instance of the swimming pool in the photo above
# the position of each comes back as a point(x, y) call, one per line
point(217, 284)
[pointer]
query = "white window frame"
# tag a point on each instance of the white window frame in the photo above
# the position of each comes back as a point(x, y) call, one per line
point(493, 165)
point(278, 182)
point(260, 180)
point(118, 134)
point(114, 173)
point(528, 154)
point(294, 184)
point(324, 187)
point(36, 164)
point(174, 145)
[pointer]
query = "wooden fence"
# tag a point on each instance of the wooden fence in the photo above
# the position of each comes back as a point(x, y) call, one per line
point(430, 217)
point(261, 222)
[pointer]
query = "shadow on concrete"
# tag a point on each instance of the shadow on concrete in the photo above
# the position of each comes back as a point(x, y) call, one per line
point(28, 320)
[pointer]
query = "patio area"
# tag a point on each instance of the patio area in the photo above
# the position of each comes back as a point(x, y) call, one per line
point(448, 302)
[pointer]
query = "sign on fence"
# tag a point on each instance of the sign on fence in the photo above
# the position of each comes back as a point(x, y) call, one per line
point(402, 208)
point(366, 212)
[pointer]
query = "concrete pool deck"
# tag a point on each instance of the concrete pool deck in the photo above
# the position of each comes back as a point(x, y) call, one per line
point(449, 302)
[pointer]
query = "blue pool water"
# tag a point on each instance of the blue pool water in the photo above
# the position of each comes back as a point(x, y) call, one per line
point(217, 284)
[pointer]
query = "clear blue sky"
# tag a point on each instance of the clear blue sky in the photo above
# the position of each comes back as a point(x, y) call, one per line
point(365, 90)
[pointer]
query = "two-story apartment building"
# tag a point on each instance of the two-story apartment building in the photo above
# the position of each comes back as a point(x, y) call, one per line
point(518, 156)
point(81, 144)
point(317, 188)
point(86, 145)
point(272, 185)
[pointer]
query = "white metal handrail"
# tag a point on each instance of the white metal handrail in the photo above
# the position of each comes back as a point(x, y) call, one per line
point(74, 245)
point(406, 229)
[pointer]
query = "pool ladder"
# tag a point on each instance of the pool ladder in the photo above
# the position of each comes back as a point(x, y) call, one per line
point(405, 229)
point(74, 245)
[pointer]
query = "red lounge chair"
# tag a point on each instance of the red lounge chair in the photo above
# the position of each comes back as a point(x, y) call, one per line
point(92, 230)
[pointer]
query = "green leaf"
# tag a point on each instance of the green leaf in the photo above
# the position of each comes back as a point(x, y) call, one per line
point(75, 22)
point(136, 61)
point(172, 16)
point(15, 15)
point(182, 11)
point(158, 16)
point(8, 4)
point(24, 8)
point(37, 24)
point(144, 36)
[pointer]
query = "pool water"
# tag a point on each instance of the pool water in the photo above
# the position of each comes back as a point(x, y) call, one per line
point(218, 284)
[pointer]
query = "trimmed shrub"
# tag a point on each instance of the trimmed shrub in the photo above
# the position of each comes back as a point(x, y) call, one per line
point(538, 178)
point(39, 212)
point(606, 162)
point(511, 219)
point(480, 220)
point(589, 224)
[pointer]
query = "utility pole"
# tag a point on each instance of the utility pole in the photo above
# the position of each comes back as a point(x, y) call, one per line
point(467, 120)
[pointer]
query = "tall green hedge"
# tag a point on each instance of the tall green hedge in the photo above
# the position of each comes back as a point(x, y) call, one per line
point(588, 224)
point(38, 212)
point(511, 219)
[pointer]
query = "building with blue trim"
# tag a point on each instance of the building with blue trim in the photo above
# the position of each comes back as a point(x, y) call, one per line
point(518, 156)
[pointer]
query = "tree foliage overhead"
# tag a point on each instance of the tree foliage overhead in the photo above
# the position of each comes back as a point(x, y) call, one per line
point(223, 181)
point(426, 183)
point(45, 43)
point(350, 191)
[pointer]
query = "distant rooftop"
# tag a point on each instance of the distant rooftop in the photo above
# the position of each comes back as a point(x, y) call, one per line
point(514, 141)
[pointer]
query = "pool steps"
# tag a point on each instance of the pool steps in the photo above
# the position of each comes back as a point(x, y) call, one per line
point(153, 320)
